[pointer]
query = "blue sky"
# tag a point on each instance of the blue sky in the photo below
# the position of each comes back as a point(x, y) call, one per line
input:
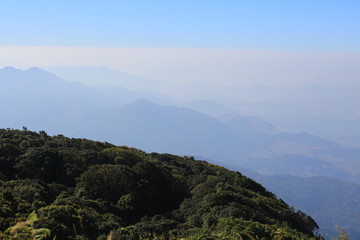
point(314, 25)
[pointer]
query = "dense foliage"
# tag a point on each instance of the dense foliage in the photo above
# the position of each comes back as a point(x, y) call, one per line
point(63, 188)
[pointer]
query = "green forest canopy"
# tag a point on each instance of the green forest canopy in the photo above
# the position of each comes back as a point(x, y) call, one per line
point(66, 188)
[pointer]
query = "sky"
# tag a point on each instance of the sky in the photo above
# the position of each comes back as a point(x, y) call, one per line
point(322, 25)
point(188, 40)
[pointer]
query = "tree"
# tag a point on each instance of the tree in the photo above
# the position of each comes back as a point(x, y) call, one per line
point(108, 182)
point(26, 230)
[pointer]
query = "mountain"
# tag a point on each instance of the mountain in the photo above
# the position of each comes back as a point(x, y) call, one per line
point(175, 130)
point(152, 127)
point(318, 109)
point(26, 85)
point(80, 189)
point(41, 101)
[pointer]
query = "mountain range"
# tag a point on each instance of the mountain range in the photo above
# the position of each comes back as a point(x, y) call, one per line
point(40, 100)
point(329, 111)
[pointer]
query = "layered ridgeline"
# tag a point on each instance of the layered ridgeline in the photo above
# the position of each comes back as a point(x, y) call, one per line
point(66, 188)
point(42, 101)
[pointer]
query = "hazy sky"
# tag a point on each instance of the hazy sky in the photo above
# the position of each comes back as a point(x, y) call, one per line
point(234, 67)
point(242, 42)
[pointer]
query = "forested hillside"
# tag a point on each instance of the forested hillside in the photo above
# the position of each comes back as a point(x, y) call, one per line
point(66, 188)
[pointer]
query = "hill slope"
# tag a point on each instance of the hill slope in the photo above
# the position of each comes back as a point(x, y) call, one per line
point(81, 189)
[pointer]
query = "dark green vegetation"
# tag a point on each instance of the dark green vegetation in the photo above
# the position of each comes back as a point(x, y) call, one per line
point(82, 189)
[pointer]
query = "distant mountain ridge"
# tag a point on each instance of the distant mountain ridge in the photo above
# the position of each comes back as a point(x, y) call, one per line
point(81, 111)
point(37, 81)
point(318, 109)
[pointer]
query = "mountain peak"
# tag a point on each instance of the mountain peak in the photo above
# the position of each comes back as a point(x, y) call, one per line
point(10, 73)
point(40, 74)
point(10, 69)
point(32, 71)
